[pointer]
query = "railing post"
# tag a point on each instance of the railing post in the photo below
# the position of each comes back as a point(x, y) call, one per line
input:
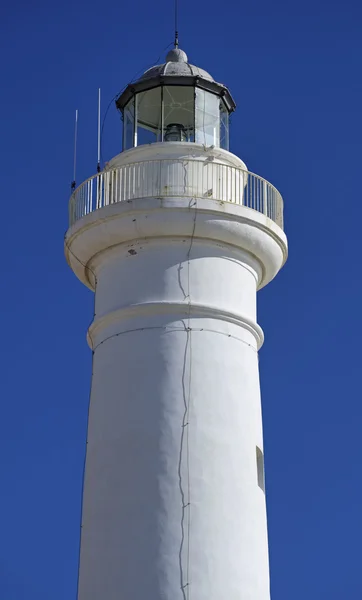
point(265, 198)
point(97, 189)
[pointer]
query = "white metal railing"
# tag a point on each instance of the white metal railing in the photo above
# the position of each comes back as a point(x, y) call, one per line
point(176, 178)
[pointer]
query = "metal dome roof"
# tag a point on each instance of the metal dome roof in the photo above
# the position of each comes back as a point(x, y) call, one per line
point(175, 71)
point(176, 64)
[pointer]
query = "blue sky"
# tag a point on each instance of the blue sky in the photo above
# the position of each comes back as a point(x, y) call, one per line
point(295, 72)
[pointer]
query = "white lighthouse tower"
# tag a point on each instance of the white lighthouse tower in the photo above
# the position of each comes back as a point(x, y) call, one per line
point(175, 237)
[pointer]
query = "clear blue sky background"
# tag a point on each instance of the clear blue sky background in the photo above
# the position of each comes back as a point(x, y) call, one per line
point(295, 72)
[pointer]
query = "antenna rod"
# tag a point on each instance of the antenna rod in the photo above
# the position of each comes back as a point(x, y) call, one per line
point(75, 149)
point(176, 21)
point(99, 131)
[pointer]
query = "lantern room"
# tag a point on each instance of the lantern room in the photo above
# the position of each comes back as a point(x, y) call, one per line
point(175, 102)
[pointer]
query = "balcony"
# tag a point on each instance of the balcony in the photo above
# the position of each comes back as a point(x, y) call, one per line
point(176, 178)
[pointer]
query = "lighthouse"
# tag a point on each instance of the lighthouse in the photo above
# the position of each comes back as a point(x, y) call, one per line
point(175, 237)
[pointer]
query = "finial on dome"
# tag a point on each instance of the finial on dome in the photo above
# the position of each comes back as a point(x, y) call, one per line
point(176, 55)
point(176, 23)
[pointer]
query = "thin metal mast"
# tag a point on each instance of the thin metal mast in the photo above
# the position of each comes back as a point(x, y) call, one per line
point(99, 131)
point(75, 150)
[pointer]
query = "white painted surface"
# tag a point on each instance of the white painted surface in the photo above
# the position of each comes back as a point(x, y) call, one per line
point(172, 508)
point(177, 151)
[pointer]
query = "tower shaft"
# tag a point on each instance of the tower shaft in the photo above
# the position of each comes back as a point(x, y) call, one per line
point(174, 501)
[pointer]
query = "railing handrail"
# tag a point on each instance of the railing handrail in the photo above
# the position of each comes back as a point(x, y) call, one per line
point(260, 194)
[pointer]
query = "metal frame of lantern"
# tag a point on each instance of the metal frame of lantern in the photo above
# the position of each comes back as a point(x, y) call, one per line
point(164, 81)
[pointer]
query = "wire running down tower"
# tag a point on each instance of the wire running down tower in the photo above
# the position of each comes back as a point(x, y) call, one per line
point(175, 237)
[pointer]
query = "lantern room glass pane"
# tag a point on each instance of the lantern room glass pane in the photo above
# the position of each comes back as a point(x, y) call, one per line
point(207, 118)
point(128, 125)
point(179, 113)
point(224, 126)
point(148, 111)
